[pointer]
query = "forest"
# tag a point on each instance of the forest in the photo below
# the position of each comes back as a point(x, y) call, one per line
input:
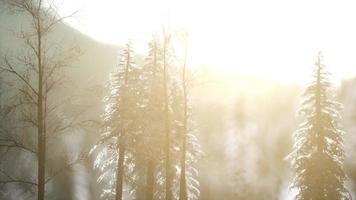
point(84, 118)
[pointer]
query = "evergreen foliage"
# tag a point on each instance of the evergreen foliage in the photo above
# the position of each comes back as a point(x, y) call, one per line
point(134, 121)
point(318, 153)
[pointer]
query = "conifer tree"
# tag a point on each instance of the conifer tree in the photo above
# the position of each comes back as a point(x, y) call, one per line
point(318, 153)
point(165, 83)
point(190, 148)
point(120, 130)
point(143, 125)
point(183, 181)
point(153, 137)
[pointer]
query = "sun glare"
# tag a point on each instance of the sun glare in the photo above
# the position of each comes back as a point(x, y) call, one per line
point(178, 99)
point(275, 39)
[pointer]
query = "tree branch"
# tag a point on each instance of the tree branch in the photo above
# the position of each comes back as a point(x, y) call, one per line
point(13, 180)
point(9, 68)
point(56, 21)
point(18, 181)
point(13, 144)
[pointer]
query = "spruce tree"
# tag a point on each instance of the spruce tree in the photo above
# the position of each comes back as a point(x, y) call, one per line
point(318, 153)
point(165, 83)
point(116, 154)
point(186, 150)
point(153, 121)
point(190, 149)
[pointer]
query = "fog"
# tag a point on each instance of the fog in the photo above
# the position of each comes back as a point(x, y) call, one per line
point(243, 124)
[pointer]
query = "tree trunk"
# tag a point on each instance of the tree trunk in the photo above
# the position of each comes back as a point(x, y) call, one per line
point(120, 168)
point(41, 144)
point(121, 140)
point(41, 138)
point(167, 127)
point(319, 131)
point(183, 181)
point(150, 181)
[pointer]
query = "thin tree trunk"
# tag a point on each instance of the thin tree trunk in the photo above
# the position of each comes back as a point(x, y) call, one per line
point(318, 102)
point(120, 167)
point(319, 131)
point(121, 140)
point(167, 127)
point(150, 181)
point(150, 178)
point(41, 138)
point(183, 181)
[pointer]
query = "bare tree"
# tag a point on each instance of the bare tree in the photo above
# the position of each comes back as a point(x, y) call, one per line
point(39, 70)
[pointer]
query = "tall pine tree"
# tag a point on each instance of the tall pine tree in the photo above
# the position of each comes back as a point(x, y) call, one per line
point(190, 149)
point(165, 82)
point(116, 154)
point(318, 153)
point(153, 123)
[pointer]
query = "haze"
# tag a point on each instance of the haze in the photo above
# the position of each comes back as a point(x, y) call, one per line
point(273, 39)
point(177, 99)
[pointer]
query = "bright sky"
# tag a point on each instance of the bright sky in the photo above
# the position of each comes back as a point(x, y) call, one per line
point(276, 39)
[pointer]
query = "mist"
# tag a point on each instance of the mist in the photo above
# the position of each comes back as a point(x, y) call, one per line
point(167, 114)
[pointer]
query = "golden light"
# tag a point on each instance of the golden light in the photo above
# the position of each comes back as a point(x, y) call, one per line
point(272, 39)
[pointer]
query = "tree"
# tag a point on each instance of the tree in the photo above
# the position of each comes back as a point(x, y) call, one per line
point(39, 71)
point(318, 153)
point(153, 138)
point(183, 181)
point(116, 157)
point(190, 150)
point(142, 133)
point(168, 164)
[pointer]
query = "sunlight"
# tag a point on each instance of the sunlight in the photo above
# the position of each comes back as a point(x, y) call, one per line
point(240, 36)
point(177, 99)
